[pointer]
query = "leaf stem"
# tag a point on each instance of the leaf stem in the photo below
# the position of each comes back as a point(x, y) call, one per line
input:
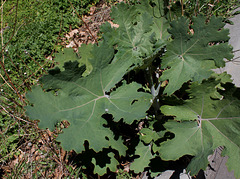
point(182, 7)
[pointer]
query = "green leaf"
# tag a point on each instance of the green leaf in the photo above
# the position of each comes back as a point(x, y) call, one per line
point(133, 36)
point(192, 56)
point(160, 24)
point(145, 156)
point(112, 165)
point(85, 52)
point(83, 100)
point(207, 124)
point(68, 54)
point(223, 77)
point(149, 135)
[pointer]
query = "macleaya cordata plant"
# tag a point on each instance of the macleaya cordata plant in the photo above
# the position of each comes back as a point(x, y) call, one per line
point(200, 109)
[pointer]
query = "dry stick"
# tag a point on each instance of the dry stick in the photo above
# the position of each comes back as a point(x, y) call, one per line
point(210, 8)
point(3, 4)
point(21, 75)
point(14, 28)
point(11, 108)
point(34, 73)
point(8, 95)
point(36, 62)
point(12, 99)
point(84, 23)
point(234, 61)
point(46, 143)
point(2, 63)
point(61, 162)
point(20, 119)
point(6, 81)
point(182, 7)
point(2, 29)
point(15, 89)
point(196, 7)
point(169, 8)
point(6, 107)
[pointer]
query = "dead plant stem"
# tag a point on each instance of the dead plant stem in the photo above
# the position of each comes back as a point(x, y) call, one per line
point(2, 29)
point(14, 28)
point(25, 64)
point(6, 81)
point(12, 99)
point(34, 73)
point(182, 7)
point(2, 4)
point(84, 23)
point(36, 62)
point(15, 89)
point(20, 119)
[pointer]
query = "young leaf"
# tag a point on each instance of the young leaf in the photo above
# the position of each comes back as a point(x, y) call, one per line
point(158, 33)
point(145, 156)
point(132, 37)
point(112, 165)
point(160, 24)
point(83, 100)
point(149, 135)
point(205, 123)
point(192, 56)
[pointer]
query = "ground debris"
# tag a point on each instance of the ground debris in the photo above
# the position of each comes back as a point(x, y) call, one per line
point(98, 15)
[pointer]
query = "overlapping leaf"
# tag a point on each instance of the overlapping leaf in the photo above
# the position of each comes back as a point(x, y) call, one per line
point(82, 101)
point(145, 156)
point(84, 53)
point(205, 123)
point(132, 35)
point(160, 24)
point(192, 56)
point(148, 136)
point(135, 37)
point(112, 165)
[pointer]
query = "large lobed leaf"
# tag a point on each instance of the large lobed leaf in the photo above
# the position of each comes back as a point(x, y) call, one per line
point(140, 34)
point(204, 123)
point(159, 22)
point(131, 37)
point(83, 100)
point(192, 56)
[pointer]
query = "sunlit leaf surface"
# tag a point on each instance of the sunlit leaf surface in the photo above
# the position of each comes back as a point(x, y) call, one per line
point(204, 123)
point(192, 54)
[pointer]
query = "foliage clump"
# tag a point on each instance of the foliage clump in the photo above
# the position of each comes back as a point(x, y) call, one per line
point(153, 72)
